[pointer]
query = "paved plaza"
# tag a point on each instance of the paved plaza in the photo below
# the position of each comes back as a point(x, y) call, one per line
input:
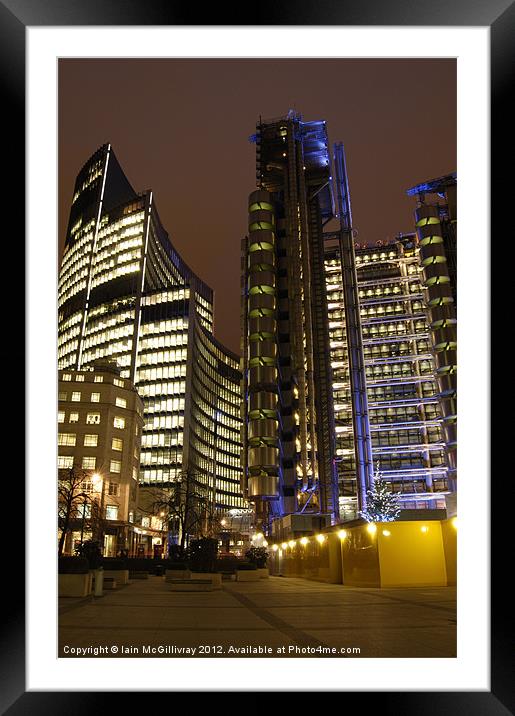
point(272, 618)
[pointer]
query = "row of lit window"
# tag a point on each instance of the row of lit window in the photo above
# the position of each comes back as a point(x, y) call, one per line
point(91, 419)
point(171, 325)
point(120, 349)
point(113, 307)
point(95, 398)
point(168, 439)
point(88, 463)
point(165, 297)
point(115, 334)
point(160, 357)
point(178, 387)
point(91, 440)
point(116, 273)
point(161, 372)
point(168, 405)
point(166, 340)
point(108, 321)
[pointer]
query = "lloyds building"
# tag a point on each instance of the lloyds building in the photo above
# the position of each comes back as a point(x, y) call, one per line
point(126, 295)
point(339, 372)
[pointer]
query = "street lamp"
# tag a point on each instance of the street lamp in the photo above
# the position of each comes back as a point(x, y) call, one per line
point(97, 480)
point(84, 505)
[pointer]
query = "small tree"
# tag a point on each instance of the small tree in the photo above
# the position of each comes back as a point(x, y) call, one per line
point(382, 505)
point(70, 494)
point(258, 556)
point(184, 503)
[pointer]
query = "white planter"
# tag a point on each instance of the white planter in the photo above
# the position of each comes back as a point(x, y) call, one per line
point(74, 585)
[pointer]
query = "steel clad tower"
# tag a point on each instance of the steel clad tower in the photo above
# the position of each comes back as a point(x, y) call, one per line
point(288, 415)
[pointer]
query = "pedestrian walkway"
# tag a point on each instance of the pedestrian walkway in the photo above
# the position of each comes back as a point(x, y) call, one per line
point(276, 617)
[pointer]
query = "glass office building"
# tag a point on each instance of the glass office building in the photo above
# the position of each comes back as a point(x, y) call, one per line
point(402, 392)
point(125, 294)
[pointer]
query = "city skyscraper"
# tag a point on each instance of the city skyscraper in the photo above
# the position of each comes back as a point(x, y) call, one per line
point(402, 392)
point(126, 295)
point(436, 225)
point(288, 429)
point(340, 373)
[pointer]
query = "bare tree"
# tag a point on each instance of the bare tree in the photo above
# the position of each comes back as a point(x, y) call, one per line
point(186, 505)
point(70, 494)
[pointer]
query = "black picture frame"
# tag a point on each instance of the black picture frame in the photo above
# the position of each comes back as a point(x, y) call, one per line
point(15, 17)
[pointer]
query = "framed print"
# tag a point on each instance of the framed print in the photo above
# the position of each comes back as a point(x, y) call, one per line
point(206, 442)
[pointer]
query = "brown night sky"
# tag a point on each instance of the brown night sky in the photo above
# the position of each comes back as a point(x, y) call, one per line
point(181, 128)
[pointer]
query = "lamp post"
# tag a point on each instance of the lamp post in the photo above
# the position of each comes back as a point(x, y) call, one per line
point(84, 504)
point(96, 479)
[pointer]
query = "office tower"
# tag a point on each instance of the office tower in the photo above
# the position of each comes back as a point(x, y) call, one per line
point(436, 225)
point(402, 394)
point(288, 415)
point(126, 295)
point(100, 421)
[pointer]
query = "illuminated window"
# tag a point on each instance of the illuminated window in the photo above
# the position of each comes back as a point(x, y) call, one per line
point(89, 463)
point(79, 378)
point(63, 396)
point(74, 418)
point(134, 473)
point(119, 422)
point(99, 379)
point(121, 402)
point(93, 419)
point(95, 397)
point(112, 512)
point(90, 440)
point(115, 466)
point(67, 376)
point(117, 444)
point(65, 461)
point(60, 416)
point(113, 488)
point(75, 397)
point(118, 382)
point(66, 439)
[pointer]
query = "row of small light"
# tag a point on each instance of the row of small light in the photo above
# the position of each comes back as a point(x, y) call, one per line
point(343, 534)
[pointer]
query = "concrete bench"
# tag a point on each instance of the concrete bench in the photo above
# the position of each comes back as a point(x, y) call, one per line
point(138, 575)
point(172, 575)
point(247, 575)
point(109, 582)
point(192, 585)
point(121, 575)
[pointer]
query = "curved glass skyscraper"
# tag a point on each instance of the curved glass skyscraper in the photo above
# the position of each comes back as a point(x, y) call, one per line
point(125, 294)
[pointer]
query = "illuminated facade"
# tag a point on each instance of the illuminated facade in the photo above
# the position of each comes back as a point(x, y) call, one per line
point(288, 427)
point(125, 294)
point(341, 365)
point(100, 421)
point(436, 225)
point(402, 392)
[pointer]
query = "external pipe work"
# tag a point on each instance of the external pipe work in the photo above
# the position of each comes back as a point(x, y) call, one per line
point(441, 312)
point(360, 415)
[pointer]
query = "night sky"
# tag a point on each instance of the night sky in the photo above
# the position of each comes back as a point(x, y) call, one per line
point(181, 128)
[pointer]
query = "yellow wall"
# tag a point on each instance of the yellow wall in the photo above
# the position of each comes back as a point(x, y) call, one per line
point(408, 557)
point(360, 558)
point(412, 555)
point(449, 535)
